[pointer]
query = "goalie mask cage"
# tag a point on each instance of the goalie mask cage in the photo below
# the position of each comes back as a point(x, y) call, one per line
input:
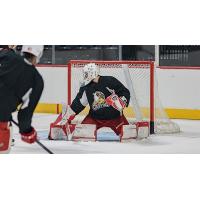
point(140, 78)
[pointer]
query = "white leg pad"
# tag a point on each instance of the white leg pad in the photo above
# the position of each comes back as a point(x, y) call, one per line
point(137, 130)
point(142, 129)
point(85, 132)
point(129, 132)
point(58, 133)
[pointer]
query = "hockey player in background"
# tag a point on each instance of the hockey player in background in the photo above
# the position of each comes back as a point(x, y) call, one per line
point(21, 86)
point(106, 96)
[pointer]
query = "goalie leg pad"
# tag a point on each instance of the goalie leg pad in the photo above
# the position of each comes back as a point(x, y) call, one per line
point(142, 129)
point(61, 132)
point(137, 130)
point(129, 132)
point(5, 137)
point(85, 132)
point(57, 132)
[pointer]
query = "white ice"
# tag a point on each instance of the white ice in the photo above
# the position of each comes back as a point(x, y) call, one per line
point(188, 141)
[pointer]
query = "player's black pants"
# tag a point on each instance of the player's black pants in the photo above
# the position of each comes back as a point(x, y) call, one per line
point(9, 102)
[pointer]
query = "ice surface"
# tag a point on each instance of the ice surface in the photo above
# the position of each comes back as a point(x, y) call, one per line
point(188, 141)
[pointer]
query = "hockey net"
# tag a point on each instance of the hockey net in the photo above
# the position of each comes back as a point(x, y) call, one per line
point(140, 78)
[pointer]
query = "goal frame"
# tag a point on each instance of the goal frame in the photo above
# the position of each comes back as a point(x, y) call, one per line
point(151, 82)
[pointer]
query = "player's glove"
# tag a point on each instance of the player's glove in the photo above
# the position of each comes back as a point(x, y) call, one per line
point(29, 137)
point(119, 103)
point(5, 135)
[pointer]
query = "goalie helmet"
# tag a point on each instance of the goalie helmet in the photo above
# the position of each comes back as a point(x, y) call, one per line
point(90, 72)
point(36, 50)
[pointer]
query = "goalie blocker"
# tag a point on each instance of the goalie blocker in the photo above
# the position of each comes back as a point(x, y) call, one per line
point(63, 129)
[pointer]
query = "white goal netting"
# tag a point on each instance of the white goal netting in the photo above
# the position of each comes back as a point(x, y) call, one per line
point(140, 78)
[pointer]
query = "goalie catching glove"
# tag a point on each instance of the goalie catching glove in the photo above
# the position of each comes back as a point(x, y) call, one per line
point(119, 103)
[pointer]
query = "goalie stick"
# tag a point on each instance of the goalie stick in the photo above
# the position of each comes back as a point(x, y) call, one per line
point(37, 141)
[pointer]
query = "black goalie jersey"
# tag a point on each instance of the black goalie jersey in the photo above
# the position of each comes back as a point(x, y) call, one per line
point(95, 95)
